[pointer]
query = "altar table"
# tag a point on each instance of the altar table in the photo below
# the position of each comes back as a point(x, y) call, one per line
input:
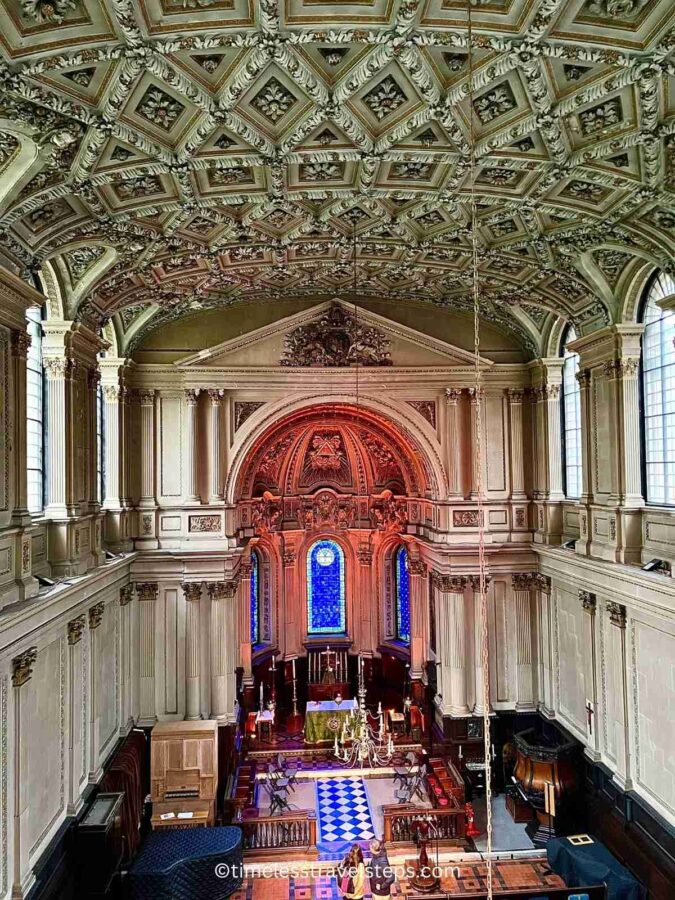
point(324, 718)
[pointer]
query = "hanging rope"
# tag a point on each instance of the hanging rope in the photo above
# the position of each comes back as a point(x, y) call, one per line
point(478, 462)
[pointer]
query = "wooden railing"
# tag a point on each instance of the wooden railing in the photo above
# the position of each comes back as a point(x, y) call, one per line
point(401, 823)
point(271, 835)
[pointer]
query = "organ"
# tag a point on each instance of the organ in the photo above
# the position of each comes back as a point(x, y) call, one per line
point(183, 774)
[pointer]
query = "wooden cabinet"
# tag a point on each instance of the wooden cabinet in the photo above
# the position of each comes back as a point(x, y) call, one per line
point(183, 774)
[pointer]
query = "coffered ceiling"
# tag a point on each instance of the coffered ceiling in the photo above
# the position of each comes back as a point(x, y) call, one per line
point(165, 155)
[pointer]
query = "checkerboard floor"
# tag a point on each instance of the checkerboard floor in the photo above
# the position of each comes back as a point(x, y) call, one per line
point(344, 812)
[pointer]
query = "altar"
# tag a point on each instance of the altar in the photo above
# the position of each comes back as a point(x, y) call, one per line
point(324, 718)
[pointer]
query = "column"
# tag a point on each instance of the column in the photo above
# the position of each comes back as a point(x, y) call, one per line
point(58, 470)
point(20, 345)
point(452, 632)
point(589, 604)
point(193, 594)
point(147, 532)
point(369, 638)
point(75, 736)
point(95, 617)
point(126, 658)
point(454, 443)
point(147, 598)
point(93, 380)
point(544, 646)
point(477, 483)
point(419, 605)
point(616, 716)
point(479, 616)
point(111, 412)
point(126, 469)
point(522, 585)
point(222, 596)
point(216, 461)
point(192, 457)
point(22, 671)
point(629, 531)
point(244, 620)
point(551, 396)
point(516, 449)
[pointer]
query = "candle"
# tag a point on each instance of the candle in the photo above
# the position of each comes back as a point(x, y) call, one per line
point(460, 752)
point(261, 695)
point(293, 664)
point(379, 708)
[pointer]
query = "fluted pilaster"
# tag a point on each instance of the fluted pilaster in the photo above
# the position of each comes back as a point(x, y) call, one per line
point(215, 456)
point(454, 442)
point(479, 618)
point(450, 594)
point(192, 458)
point(523, 584)
point(516, 451)
point(193, 593)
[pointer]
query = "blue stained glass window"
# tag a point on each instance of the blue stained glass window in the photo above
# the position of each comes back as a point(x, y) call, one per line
point(325, 588)
point(255, 599)
point(402, 567)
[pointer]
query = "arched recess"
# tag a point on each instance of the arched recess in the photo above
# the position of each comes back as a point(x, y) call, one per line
point(388, 560)
point(282, 431)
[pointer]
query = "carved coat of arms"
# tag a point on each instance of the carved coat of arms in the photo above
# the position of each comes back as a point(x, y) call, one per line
point(338, 339)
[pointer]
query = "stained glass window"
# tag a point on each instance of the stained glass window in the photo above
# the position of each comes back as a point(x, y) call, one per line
point(255, 598)
point(325, 588)
point(571, 406)
point(402, 571)
point(658, 393)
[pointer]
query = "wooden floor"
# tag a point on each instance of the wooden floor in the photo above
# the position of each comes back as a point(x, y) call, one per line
point(507, 876)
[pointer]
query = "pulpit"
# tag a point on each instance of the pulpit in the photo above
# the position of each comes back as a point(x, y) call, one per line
point(547, 777)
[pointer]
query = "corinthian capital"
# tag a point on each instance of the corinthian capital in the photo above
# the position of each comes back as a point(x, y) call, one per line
point(451, 584)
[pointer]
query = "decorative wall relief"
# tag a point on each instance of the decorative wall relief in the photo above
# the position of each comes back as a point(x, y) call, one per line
point(244, 409)
point(326, 458)
point(204, 524)
point(336, 339)
point(426, 408)
point(267, 513)
point(465, 518)
point(389, 513)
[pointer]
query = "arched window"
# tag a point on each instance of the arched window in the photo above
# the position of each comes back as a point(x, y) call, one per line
point(326, 588)
point(402, 582)
point(571, 415)
point(35, 413)
point(255, 598)
point(658, 391)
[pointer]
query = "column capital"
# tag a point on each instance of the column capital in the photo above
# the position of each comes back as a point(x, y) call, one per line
point(523, 581)
point(216, 395)
point(56, 367)
point(22, 666)
point(417, 567)
point(289, 557)
point(145, 397)
point(450, 584)
point(365, 554)
point(126, 594)
point(476, 395)
point(588, 601)
point(93, 379)
point(96, 615)
point(76, 630)
point(515, 395)
point(192, 591)
point(111, 393)
point(474, 581)
point(20, 344)
point(147, 590)
point(192, 396)
point(221, 590)
point(617, 613)
point(452, 396)
point(542, 583)
point(583, 377)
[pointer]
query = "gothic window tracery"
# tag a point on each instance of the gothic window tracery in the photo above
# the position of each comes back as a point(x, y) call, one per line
point(326, 600)
point(658, 392)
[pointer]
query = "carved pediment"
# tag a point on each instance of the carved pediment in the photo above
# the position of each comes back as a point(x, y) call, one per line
point(336, 339)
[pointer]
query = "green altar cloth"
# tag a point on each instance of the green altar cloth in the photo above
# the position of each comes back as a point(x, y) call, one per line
point(324, 718)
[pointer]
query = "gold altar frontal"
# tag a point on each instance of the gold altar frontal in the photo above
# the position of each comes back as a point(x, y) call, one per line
point(324, 718)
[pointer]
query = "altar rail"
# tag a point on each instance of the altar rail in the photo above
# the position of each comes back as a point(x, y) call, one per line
point(273, 835)
point(400, 824)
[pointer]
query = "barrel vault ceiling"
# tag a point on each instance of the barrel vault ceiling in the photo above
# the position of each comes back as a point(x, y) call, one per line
point(162, 156)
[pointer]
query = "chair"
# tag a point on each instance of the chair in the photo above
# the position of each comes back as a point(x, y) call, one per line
point(288, 771)
point(277, 778)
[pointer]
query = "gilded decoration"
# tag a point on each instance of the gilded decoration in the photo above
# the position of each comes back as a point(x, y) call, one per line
point(22, 666)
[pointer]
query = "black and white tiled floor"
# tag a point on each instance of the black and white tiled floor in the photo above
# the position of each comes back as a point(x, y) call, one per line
point(344, 813)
